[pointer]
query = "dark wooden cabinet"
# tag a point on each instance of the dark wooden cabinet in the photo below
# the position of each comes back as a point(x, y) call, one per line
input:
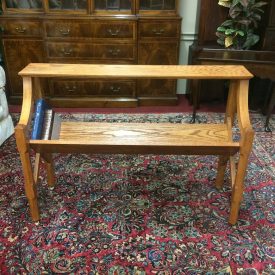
point(102, 88)
point(90, 31)
point(158, 44)
point(207, 51)
point(153, 53)
point(19, 53)
point(269, 38)
point(260, 60)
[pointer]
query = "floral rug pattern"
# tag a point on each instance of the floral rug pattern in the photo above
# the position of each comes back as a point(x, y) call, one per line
point(139, 214)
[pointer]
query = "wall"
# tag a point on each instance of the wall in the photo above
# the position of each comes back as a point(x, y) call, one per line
point(188, 10)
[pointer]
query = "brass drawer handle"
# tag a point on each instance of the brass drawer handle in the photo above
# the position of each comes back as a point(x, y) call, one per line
point(67, 52)
point(20, 29)
point(115, 89)
point(71, 90)
point(65, 32)
point(114, 52)
point(113, 32)
point(158, 32)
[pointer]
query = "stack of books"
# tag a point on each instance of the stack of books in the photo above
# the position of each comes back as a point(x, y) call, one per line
point(46, 123)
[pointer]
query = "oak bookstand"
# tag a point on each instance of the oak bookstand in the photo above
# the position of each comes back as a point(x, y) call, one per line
point(139, 138)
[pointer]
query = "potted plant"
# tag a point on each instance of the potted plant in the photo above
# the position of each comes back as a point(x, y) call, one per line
point(238, 32)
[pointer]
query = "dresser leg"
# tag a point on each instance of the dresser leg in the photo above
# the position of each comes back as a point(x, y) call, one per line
point(195, 98)
point(270, 107)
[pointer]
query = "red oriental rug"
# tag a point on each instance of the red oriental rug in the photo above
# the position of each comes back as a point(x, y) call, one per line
point(139, 214)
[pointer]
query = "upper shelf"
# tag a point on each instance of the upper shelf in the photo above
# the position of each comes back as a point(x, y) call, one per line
point(146, 7)
point(136, 71)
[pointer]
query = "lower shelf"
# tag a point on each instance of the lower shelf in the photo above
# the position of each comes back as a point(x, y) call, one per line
point(140, 138)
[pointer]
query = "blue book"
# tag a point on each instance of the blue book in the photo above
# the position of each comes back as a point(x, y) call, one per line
point(40, 107)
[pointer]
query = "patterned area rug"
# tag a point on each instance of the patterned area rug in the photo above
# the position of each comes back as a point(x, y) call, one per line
point(139, 214)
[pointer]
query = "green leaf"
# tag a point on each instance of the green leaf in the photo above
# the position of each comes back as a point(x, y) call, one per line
point(220, 35)
point(259, 10)
point(241, 33)
point(235, 11)
point(244, 3)
point(235, 3)
point(229, 31)
point(251, 41)
point(257, 16)
point(245, 22)
point(220, 42)
point(259, 4)
point(227, 23)
point(221, 29)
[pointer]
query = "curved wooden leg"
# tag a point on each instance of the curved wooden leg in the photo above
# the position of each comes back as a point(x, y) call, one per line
point(246, 140)
point(30, 186)
point(221, 171)
point(238, 187)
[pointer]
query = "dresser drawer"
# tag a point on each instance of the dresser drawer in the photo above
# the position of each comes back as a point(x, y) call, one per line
point(160, 29)
point(156, 88)
point(69, 29)
point(82, 88)
point(115, 51)
point(71, 88)
point(21, 28)
point(118, 88)
point(69, 50)
point(115, 29)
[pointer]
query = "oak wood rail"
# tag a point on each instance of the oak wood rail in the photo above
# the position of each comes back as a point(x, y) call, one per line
point(137, 138)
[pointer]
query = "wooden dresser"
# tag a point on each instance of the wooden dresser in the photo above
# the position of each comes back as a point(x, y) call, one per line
point(96, 32)
point(206, 50)
point(260, 60)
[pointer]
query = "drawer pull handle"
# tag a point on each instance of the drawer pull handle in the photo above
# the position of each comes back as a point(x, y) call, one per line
point(65, 32)
point(113, 32)
point(71, 90)
point(20, 29)
point(158, 32)
point(115, 89)
point(67, 52)
point(114, 52)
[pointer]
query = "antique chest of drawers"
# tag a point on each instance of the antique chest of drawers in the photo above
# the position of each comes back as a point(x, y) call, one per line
point(96, 32)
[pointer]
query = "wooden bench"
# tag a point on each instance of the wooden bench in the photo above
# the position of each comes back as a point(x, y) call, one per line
point(139, 138)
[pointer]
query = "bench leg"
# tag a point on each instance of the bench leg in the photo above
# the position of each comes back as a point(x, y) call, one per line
point(221, 171)
point(237, 189)
point(50, 170)
point(30, 186)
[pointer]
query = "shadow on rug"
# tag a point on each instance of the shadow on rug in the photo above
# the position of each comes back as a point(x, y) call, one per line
point(139, 214)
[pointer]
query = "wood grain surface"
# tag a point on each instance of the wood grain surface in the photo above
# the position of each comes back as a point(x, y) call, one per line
point(136, 71)
point(140, 138)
